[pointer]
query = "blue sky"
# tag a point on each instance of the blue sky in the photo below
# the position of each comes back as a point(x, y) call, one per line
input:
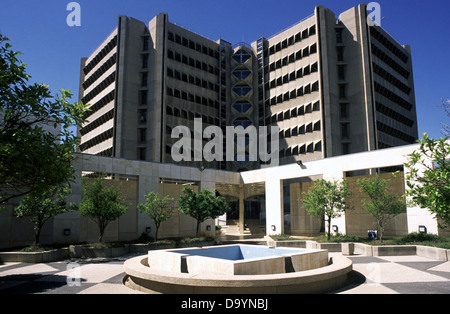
point(53, 50)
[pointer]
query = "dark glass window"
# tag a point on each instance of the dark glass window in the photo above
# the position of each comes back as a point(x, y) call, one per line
point(241, 56)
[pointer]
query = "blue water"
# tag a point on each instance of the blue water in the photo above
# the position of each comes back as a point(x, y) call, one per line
point(238, 252)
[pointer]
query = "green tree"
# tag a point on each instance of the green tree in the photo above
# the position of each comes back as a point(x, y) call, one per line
point(41, 206)
point(381, 205)
point(202, 205)
point(160, 209)
point(327, 199)
point(37, 144)
point(428, 177)
point(101, 204)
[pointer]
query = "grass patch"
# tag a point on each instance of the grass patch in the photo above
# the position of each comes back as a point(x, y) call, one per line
point(196, 240)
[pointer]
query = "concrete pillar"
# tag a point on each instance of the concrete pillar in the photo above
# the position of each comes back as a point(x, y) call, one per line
point(241, 223)
point(274, 206)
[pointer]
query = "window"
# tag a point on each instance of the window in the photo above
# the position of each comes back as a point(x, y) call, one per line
point(144, 80)
point(145, 62)
point(317, 126)
point(142, 153)
point(340, 53)
point(241, 56)
point(145, 44)
point(345, 148)
point(244, 122)
point(344, 130)
point(315, 87)
point(143, 135)
point(343, 110)
point(242, 107)
point(339, 36)
point(318, 147)
point(313, 49)
point(342, 91)
point(242, 90)
point(143, 116)
point(242, 74)
point(341, 72)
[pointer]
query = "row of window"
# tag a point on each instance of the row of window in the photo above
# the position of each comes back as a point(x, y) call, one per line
point(192, 80)
point(394, 115)
point(97, 122)
point(389, 61)
point(292, 40)
point(390, 78)
point(388, 44)
point(105, 67)
point(293, 57)
point(392, 96)
point(99, 88)
point(192, 62)
point(99, 104)
point(395, 133)
point(300, 130)
point(293, 75)
point(173, 92)
point(304, 90)
point(188, 43)
point(97, 140)
point(189, 115)
point(301, 149)
point(292, 113)
point(107, 49)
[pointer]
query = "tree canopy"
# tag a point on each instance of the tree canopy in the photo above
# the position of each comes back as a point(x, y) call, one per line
point(428, 177)
point(202, 205)
point(37, 144)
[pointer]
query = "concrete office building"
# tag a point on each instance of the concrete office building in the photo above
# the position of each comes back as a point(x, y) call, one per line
point(333, 86)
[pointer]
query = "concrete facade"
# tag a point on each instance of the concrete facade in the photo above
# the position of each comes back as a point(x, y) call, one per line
point(137, 178)
point(333, 86)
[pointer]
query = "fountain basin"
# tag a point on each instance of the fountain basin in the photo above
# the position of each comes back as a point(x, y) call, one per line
point(237, 260)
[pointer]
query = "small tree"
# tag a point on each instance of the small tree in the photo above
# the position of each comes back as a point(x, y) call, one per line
point(41, 206)
point(101, 204)
point(327, 199)
point(428, 177)
point(202, 206)
point(381, 205)
point(160, 209)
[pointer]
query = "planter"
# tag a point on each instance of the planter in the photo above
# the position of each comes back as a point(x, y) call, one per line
point(394, 250)
point(81, 251)
point(348, 248)
point(294, 243)
point(34, 257)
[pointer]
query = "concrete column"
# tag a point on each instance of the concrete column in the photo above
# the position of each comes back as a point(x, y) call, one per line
point(274, 206)
point(241, 223)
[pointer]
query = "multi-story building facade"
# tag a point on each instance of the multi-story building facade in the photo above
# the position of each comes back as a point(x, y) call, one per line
point(332, 85)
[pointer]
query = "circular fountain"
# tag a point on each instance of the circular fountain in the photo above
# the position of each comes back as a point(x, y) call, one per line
point(236, 269)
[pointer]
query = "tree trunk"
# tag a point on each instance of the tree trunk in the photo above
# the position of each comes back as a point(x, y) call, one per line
point(329, 229)
point(197, 230)
point(156, 233)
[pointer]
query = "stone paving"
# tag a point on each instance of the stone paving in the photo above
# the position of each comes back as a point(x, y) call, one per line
point(371, 275)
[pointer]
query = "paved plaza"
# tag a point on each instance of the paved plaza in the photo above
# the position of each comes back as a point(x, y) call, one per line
point(370, 275)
